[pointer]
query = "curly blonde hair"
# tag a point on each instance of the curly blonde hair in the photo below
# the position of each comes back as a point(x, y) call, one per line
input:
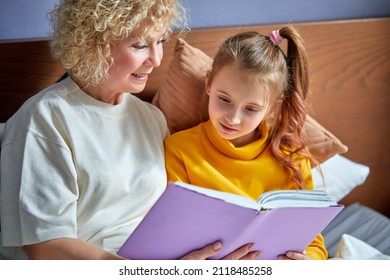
point(83, 30)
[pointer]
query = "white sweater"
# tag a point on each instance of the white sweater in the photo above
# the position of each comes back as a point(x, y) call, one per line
point(72, 166)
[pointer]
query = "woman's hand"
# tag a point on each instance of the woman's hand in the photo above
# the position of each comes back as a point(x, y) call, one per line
point(294, 256)
point(242, 253)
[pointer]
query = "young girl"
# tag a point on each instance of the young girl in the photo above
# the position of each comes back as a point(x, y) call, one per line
point(254, 140)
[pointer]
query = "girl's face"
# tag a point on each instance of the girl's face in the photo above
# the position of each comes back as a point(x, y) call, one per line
point(236, 108)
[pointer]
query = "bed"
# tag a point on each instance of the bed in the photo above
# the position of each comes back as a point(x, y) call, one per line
point(347, 126)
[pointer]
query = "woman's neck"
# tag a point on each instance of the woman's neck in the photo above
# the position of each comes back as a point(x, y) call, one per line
point(101, 93)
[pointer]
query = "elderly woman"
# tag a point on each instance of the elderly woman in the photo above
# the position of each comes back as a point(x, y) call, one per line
point(82, 161)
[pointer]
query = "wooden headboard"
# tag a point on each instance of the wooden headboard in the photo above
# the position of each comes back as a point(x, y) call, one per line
point(350, 85)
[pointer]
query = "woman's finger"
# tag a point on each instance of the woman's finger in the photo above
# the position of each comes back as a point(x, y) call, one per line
point(204, 253)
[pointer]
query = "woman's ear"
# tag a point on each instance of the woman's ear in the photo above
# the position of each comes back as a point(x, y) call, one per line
point(206, 82)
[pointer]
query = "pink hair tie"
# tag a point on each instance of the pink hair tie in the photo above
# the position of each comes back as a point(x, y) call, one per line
point(275, 37)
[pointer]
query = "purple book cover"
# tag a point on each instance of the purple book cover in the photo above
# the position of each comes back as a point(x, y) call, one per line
point(183, 220)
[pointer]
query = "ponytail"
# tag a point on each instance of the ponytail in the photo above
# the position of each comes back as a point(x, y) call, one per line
point(287, 139)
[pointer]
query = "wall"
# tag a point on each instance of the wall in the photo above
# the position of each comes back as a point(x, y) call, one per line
point(236, 12)
point(21, 19)
point(25, 20)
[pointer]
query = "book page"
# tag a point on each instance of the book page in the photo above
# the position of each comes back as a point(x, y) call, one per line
point(228, 197)
point(295, 198)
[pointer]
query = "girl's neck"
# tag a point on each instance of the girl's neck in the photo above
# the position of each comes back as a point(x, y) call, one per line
point(247, 139)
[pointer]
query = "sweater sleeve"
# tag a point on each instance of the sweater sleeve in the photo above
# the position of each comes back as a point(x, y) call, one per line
point(317, 249)
point(39, 191)
point(174, 163)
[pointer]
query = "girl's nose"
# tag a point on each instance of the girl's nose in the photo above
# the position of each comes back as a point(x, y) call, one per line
point(234, 116)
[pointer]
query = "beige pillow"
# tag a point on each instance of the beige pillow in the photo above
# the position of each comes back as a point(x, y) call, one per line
point(181, 96)
point(183, 101)
point(322, 143)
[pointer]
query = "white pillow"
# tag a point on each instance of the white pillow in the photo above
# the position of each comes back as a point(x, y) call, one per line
point(352, 248)
point(340, 176)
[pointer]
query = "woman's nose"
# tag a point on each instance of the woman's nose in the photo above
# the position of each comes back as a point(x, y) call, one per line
point(155, 57)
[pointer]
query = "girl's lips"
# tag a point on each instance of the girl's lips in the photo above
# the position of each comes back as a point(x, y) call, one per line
point(228, 129)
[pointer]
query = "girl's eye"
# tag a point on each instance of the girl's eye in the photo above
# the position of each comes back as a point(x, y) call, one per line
point(162, 41)
point(252, 109)
point(224, 99)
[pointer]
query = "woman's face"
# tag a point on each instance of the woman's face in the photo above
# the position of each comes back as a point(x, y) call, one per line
point(134, 60)
point(236, 108)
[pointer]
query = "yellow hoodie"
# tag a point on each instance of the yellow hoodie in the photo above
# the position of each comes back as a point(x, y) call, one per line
point(201, 157)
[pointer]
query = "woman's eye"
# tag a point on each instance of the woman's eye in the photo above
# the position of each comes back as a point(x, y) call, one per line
point(145, 46)
point(140, 47)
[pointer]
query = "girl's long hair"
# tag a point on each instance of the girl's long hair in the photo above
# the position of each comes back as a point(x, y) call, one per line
point(285, 77)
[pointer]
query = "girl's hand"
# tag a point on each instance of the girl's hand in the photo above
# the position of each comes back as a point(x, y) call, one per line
point(242, 253)
point(294, 256)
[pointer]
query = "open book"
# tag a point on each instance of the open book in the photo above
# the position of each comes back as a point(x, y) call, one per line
point(188, 217)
